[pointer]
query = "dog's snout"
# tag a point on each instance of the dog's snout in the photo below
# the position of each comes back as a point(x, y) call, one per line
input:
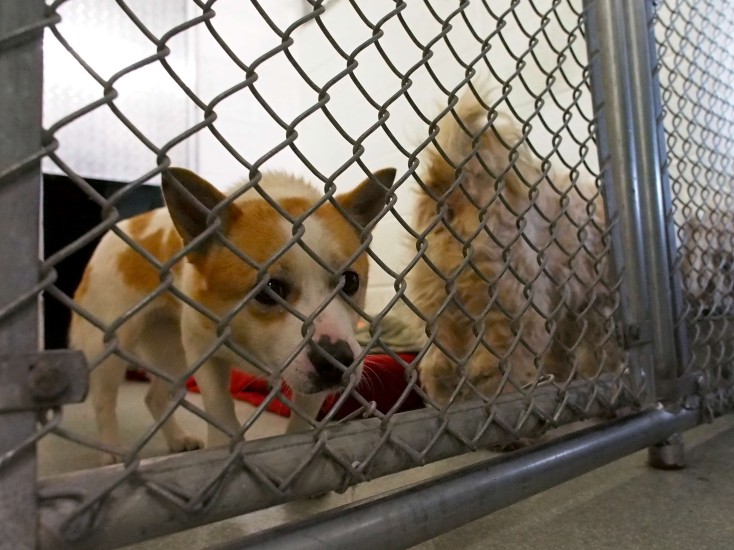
point(329, 359)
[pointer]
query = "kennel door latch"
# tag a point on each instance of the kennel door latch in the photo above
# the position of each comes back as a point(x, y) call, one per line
point(52, 378)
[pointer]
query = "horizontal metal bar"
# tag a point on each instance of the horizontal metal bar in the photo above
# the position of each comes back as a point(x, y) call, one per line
point(409, 516)
point(91, 509)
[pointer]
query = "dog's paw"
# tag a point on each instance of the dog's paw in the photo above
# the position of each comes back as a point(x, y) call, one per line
point(186, 442)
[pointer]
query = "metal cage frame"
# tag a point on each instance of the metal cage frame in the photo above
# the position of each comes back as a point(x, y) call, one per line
point(669, 388)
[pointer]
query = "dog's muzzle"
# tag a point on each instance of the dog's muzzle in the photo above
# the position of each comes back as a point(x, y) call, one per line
point(330, 360)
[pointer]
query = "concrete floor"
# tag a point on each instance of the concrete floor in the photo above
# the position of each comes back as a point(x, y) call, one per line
point(625, 505)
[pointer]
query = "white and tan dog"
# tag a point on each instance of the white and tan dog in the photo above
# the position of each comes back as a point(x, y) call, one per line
point(514, 283)
point(288, 313)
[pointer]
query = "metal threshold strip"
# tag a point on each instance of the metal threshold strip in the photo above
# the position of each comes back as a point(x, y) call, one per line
point(408, 516)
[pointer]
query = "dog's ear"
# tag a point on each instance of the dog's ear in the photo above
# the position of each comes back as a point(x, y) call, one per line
point(367, 200)
point(190, 199)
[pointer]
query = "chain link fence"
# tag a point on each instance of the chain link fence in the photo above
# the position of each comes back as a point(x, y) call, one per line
point(514, 285)
point(696, 79)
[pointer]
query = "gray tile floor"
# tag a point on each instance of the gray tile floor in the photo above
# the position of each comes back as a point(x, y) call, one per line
point(624, 505)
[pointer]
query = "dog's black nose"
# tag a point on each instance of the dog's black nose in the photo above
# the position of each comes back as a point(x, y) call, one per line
point(326, 356)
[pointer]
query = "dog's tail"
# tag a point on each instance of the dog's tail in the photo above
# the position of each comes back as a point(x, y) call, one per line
point(478, 153)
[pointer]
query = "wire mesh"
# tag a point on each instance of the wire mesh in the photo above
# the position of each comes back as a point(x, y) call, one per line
point(502, 281)
point(696, 79)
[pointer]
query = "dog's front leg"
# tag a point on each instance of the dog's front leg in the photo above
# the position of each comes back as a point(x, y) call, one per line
point(213, 381)
point(308, 407)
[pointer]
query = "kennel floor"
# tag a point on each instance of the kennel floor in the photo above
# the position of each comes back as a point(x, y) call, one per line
point(625, 505)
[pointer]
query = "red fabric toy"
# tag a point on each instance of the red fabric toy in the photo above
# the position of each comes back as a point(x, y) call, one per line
point(383, 382)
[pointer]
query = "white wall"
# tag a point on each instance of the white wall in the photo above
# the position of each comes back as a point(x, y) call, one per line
point(98, 144)
point(698, 87)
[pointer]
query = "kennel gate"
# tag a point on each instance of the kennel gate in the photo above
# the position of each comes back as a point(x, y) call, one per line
point(668, 293)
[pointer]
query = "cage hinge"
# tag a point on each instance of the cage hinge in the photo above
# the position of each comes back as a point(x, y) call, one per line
point(52, 378)
point(635, 334)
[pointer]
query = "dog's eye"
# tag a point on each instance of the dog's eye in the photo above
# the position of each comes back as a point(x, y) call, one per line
point(274, 286)
point(351, 283)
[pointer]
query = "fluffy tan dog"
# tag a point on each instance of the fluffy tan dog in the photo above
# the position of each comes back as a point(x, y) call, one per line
point(513, 283)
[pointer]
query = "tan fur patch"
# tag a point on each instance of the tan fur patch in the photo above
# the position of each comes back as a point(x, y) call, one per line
point(138, 272)
point(259, 235)
point(344, 235)
point(137, 225)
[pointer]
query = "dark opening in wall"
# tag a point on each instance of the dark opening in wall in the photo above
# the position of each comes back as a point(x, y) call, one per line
point(68, 214)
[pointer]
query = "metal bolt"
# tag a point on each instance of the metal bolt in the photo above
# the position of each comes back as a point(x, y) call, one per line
point(634, 332)
point(47, 381)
